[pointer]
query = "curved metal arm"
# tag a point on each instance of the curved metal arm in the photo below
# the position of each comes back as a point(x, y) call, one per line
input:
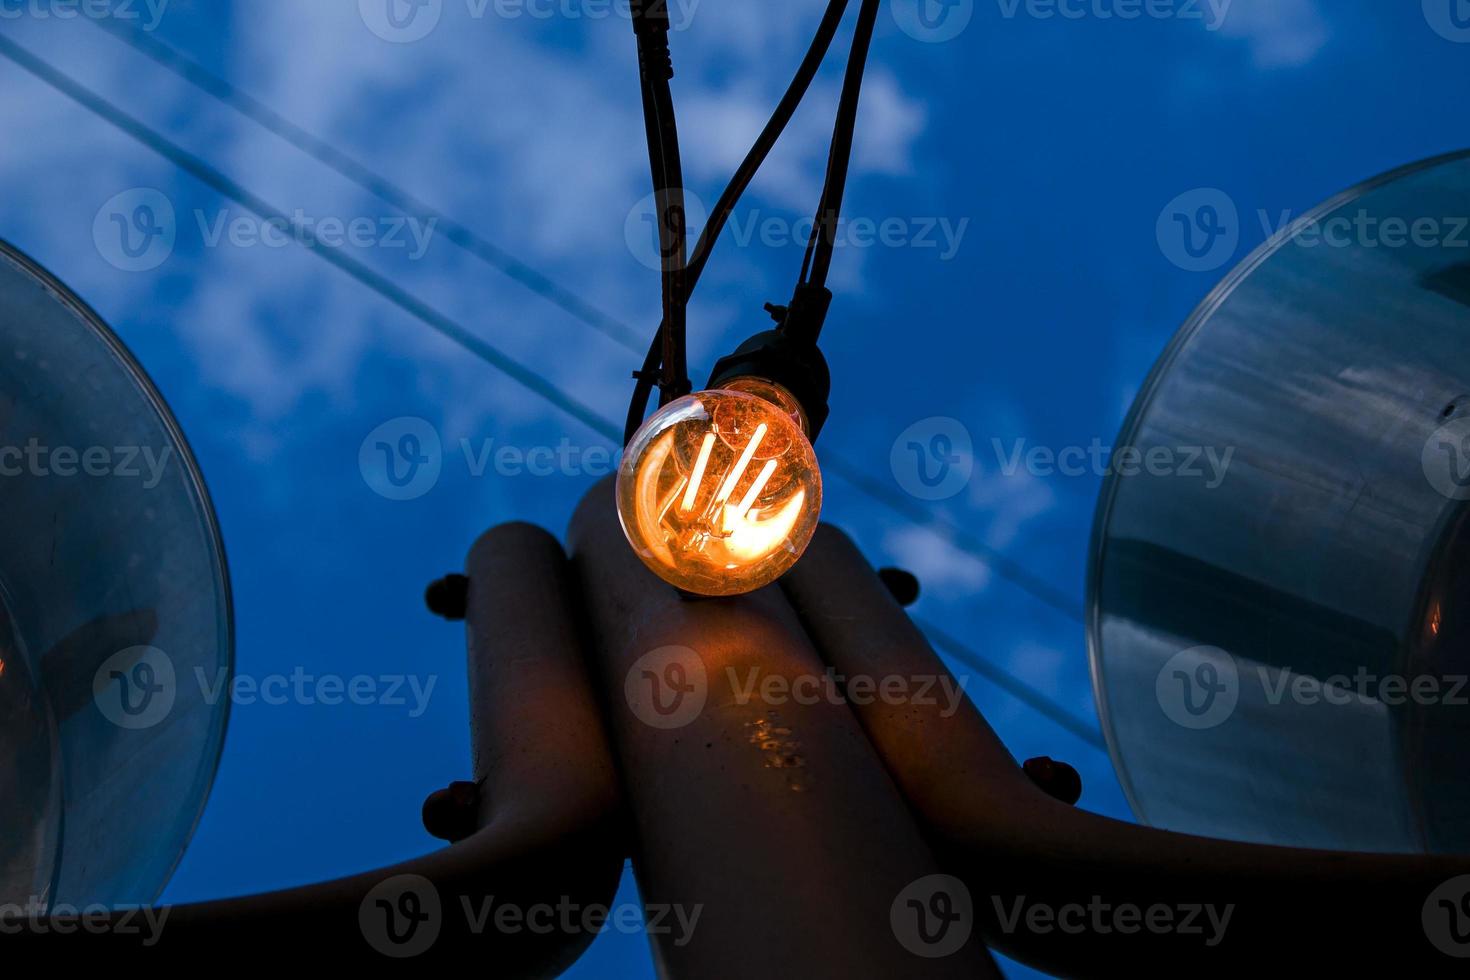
point(1048, 880)
point(550, 845)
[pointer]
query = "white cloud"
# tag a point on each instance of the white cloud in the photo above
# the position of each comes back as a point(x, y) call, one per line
point(943, 568)
point(1000, 506)
point(890, 124)
point(538, 146)
point(1281, 33)
point(541, 147)
point(1011, 500)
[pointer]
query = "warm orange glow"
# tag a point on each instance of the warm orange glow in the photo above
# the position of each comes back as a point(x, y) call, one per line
point(719, 493)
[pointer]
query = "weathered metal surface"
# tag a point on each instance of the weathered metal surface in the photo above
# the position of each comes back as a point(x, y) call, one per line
point(771, 814)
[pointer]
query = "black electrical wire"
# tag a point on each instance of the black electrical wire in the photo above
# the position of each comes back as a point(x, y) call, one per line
point(900, 504)
point(457, 333)
point(818, 261)
point(461, 235)
point(656, 70)
point(739, 183)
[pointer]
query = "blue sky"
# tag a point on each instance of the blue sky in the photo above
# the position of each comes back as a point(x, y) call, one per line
point(1022, 164)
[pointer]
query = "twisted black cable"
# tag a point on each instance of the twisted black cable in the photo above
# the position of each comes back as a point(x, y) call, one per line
point(725, 207)
point(656, 69)
point(818, 261)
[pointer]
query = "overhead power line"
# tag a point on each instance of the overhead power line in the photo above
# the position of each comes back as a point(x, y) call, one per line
point(404, 200)
point(1012, 685)
point(369, 180)
point(375, 281)
point(543, 387)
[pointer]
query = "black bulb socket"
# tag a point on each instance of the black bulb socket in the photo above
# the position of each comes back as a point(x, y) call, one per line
point(788, 356)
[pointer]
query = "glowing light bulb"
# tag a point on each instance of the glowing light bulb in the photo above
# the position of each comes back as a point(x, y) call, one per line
point(719, 493)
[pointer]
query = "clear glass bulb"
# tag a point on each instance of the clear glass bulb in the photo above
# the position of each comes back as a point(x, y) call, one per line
point(719, 493)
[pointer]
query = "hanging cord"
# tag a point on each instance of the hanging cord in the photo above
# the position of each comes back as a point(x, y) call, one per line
point(818, 261)
point(656, 68)
point(725, 207)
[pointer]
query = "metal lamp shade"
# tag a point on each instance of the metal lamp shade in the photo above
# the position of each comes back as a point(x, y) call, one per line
point(115, 623)
point(1282, 657)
